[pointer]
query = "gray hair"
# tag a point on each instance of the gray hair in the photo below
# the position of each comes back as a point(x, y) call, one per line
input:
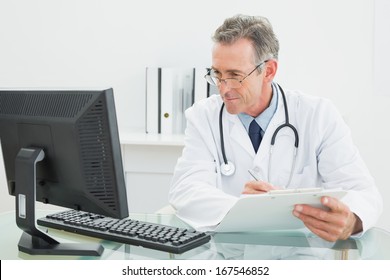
point(254, 28)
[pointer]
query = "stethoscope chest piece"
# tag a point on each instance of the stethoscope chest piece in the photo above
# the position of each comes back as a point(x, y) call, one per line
point(228, 169)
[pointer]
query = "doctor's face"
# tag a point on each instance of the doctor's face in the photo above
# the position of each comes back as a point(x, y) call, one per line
point(237, 61)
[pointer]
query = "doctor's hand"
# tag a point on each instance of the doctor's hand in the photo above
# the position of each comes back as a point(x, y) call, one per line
point(258, 187)
point(337, 222)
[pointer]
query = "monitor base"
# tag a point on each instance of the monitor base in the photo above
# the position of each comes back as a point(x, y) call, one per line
point(34, 245)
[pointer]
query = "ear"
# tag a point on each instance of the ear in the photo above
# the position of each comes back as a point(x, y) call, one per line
point(270, 69)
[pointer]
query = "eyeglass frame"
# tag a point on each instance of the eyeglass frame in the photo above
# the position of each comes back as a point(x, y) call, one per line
point(209, 78)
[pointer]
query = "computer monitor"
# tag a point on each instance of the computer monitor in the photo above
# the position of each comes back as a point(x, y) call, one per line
point(61, 147)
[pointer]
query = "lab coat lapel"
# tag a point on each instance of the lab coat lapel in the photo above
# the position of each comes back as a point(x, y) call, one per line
point(239, 135)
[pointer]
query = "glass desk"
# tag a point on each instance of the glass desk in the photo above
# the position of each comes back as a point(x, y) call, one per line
point(374, 244)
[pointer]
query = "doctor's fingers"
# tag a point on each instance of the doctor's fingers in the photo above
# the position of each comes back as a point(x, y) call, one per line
point(327, 232)
point(338, 218)
point(337, 212)
point(350, 222)
point(326, 224)
point(255, 187)
point(334, 204)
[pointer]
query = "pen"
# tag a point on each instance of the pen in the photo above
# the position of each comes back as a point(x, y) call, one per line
point(253, 174)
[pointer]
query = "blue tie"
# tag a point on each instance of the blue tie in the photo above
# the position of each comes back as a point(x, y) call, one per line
point(255, 134)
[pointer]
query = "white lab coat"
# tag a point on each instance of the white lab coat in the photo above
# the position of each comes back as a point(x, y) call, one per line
point(326, 158)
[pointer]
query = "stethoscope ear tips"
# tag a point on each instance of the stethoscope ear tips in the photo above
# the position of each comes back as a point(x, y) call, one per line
point(228, 168)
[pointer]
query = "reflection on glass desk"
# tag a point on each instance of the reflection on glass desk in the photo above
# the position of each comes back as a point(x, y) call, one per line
point(374, 244)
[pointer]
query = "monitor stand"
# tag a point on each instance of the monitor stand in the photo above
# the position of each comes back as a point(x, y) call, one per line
point(33, 241)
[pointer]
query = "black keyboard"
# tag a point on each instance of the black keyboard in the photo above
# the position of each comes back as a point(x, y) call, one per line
point(149, 235)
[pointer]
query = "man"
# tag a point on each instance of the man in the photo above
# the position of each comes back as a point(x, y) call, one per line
point(244, 64)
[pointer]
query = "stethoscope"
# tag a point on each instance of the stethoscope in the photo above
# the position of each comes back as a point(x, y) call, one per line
point(228, 168)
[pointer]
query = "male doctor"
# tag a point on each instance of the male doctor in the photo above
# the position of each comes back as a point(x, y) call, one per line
point(244, 63)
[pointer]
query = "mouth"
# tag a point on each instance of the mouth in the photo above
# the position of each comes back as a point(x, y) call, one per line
point(230, 98)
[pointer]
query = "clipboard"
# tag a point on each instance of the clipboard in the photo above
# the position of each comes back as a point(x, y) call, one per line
point(272, 211)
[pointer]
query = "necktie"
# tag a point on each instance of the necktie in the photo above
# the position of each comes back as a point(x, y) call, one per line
point(255, 134)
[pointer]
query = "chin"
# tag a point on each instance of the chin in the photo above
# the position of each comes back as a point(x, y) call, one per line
point(233, 111)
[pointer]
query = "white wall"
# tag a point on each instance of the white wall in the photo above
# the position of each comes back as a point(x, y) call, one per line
point(326, 50)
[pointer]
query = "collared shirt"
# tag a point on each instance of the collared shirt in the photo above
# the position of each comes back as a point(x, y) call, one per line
point(265, 117)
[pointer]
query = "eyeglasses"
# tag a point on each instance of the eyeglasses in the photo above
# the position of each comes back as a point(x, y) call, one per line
point(212, 79)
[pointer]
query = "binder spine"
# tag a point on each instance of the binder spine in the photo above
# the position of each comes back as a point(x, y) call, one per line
point(169, 92)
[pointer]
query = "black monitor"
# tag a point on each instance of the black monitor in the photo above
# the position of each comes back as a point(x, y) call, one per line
point(61, 147)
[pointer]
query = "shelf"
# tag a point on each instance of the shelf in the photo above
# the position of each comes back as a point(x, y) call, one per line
point(152, 139)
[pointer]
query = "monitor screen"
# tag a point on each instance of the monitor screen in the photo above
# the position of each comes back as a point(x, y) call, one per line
point(78, 135)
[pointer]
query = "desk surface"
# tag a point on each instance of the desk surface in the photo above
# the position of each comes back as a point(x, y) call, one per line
point(375, 244)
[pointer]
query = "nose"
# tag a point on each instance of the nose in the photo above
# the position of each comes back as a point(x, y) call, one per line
point(227, 93)
point(223, 87)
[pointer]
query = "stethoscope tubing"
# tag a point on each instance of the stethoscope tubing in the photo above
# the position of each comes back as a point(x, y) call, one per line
point(221, 135)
